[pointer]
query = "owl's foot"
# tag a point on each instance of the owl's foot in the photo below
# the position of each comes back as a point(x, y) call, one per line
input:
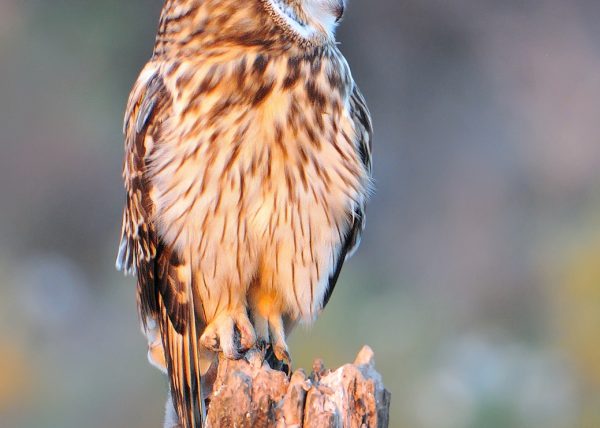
point(282, 354)
point(231, 332)
point(271, 333)
point(277, 333)
point(280, 359)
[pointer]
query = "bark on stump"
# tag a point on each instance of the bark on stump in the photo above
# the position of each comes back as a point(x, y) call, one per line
point(352, 396)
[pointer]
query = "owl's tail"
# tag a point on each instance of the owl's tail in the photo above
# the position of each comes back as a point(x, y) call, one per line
point(185, 380)
point(183, 353)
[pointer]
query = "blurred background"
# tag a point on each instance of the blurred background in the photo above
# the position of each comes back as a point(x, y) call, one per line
point(478, 280)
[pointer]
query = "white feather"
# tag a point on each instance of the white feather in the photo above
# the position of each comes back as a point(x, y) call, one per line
point(320, 13)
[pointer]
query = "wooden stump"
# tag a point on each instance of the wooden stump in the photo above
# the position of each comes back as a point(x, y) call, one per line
point(352, 396)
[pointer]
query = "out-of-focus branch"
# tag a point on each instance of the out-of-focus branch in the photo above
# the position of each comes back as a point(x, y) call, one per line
point(352, 396)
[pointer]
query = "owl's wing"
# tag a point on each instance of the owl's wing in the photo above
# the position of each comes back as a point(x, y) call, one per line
point(163, 296)
point(363, 144)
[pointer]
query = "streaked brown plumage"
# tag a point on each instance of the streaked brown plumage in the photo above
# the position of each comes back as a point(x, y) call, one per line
point(247, 167)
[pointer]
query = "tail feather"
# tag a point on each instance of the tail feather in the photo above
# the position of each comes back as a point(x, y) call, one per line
point(181, 351)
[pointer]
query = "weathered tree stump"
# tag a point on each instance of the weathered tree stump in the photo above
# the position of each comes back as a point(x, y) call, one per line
point(352, 396)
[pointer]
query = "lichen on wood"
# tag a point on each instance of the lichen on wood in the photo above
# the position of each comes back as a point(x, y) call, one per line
point(246, 396)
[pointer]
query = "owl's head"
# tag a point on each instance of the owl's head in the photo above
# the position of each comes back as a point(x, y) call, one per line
point(309, 18)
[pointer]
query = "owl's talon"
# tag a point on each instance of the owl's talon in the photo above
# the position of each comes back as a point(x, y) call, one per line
point(262, 345)
point(282, 354)
point(210, 339)
point(230, 333)
point(247, 334)
point(282, 360)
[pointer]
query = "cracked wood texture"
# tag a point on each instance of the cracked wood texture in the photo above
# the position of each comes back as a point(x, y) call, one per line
point(352, 396)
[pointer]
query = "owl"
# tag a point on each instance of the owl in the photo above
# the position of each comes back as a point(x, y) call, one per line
point(247, 168)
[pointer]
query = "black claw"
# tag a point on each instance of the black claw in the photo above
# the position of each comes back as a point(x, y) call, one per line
point(262, 345)
point(284, 365)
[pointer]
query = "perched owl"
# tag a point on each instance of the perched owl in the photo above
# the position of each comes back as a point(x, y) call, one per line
point(247, 168)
